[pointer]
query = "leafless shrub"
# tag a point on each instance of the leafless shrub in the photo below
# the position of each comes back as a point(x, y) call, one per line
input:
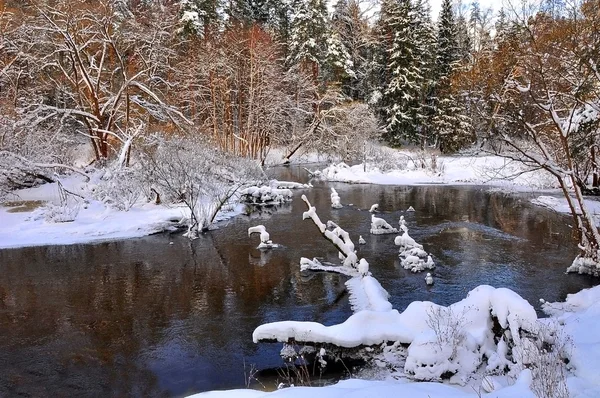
point(193, 172)
point(66, 210)
point(250, 372)
point(545, 353)
point(448, 327)
point(120, 187)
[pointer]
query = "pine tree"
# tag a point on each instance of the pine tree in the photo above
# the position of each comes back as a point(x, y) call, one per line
point(401, 97)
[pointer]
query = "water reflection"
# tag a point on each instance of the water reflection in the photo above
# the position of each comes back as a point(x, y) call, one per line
point(145, 317)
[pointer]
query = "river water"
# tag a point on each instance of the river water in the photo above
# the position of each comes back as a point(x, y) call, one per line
point(163, 316)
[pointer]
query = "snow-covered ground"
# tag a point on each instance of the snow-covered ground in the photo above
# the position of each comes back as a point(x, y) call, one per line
point(473, 170)
point(94, 221)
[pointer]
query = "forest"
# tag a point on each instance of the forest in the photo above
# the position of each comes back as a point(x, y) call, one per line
point(104, 82)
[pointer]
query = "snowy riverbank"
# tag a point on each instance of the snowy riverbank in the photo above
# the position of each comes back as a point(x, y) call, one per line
point(492, 171)
point(577, 319)
point(94, 221)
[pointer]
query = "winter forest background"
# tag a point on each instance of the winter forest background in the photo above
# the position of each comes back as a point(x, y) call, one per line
point(176, 84)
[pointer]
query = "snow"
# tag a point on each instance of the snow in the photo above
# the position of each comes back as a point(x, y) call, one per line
point(367, 389)
point(379, 226)
point(464, 170)
point(93, 224)
point(456, 339)
point(95, 221)
point(580, 314)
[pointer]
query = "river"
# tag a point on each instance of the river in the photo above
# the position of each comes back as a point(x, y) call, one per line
point(165, 316)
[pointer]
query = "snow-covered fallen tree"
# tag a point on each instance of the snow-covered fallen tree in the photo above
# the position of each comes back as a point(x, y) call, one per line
point(491, 329)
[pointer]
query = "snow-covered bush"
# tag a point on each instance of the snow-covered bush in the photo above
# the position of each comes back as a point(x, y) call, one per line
point(193, 172)
point(66, 210)
point(265, 195)
point(385, 159)
point(119, 187)
point(545, 354)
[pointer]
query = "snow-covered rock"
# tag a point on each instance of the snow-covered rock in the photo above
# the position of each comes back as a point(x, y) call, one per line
point(406, 242)
point(379, 226)
point(335, 199)
point(429, 279)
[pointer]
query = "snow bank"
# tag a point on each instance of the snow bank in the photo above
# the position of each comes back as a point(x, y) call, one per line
point(477, 170)
point(441, 340)
point(88, 220)
point(368, 389)
point(580, 314)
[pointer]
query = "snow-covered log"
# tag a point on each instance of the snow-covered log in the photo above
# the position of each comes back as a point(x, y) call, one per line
point(288, 185)
point(340, 238)
point(265, 239)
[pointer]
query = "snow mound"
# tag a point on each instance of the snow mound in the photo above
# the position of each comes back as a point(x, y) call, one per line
point(379, 226)
point(265, 195)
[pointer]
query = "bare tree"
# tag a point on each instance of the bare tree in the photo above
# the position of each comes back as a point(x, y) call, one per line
point(99, 74)
point(552, 94)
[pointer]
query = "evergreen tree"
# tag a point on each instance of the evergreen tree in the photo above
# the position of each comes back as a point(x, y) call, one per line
point(451, 127)
point(501, 27)
point(199, 17)
point(401, 97)
point(464, 43)
point(426, 49)
point(308, 36)
point(347, 46)
point(280, 22)
point(248, 12)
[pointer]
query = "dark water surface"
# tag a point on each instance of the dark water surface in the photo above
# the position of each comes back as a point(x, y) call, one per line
point(163, 316)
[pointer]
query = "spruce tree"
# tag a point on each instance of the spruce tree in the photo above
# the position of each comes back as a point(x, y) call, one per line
point(199, 17)
point(402, 94)
point(308, 36)
point(426, 49)
point(451, 127)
